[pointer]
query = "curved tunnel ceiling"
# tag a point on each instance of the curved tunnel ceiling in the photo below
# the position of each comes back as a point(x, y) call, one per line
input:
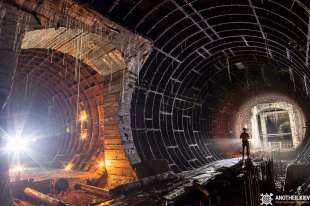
point(51, 78)
point(97, 51)
point(203, 49)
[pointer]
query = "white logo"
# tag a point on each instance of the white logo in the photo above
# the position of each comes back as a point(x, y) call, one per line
point(266, 199)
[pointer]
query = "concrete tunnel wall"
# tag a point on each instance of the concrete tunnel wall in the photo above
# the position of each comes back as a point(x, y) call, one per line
point(99, 96)
point(190, 134)
point(43, 74)
point(203, 49)
point(181, 131)
point(168, 109)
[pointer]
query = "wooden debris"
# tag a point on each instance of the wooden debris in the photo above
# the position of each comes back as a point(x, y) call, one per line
point(49, 201)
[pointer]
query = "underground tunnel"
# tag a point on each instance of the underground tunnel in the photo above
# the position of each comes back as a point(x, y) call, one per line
point(146, 103)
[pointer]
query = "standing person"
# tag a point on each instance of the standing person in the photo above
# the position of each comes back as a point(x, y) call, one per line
point(245, 143)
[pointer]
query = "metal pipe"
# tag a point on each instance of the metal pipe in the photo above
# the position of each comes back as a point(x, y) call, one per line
point(38, 196)
point(95, 190)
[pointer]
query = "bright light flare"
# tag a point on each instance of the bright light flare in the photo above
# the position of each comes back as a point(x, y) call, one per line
point(17, 168)
point(16, 145)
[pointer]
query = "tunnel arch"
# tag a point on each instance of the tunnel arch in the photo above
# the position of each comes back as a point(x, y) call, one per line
point(97, 51)
point(194, 62)
point(39, 71)
point(44, 19)
point(163, 122)
point(194, 66)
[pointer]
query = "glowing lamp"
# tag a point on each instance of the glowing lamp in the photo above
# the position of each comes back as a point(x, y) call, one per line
point(83, 116)
point(101, 164)
point(68, 129)
point(83, 135)
point(68, 167)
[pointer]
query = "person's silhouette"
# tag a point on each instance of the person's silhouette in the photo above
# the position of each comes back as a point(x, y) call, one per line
point(245, 143)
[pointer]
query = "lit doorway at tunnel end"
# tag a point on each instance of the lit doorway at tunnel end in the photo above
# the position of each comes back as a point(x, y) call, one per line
point(275, 122)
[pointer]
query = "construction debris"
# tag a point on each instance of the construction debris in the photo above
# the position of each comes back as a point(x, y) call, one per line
point(40, 197)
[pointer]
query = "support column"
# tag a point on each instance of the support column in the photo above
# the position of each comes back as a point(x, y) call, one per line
point(118, 166)
point(293, 122)
point(10, 41)
point(255, 129)
point(264, 130)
